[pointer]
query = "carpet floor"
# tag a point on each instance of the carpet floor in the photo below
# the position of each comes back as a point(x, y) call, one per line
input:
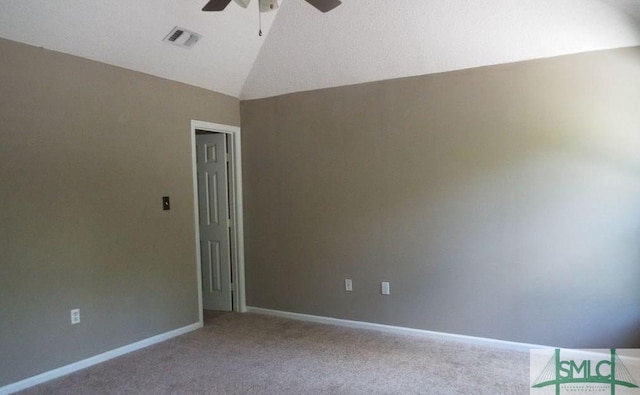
point(255, 354)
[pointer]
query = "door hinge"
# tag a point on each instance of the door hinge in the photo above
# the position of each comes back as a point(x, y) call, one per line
point(226, 156)
point(229, 222)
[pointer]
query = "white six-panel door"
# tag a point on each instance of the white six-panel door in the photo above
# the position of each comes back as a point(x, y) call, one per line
point(213, 200)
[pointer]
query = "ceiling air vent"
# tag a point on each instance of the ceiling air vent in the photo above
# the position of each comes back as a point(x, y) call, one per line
point(182, 37)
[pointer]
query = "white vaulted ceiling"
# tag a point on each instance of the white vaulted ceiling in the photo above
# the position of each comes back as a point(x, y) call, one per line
point(360, 41)
point(129, 34)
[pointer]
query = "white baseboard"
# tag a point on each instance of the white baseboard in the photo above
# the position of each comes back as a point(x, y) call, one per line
point(481, 341)
point(85, 363)
point(64, 370)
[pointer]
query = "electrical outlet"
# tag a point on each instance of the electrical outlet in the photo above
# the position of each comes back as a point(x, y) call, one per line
point(75, 316)
point(384, 288)
point(348, 284)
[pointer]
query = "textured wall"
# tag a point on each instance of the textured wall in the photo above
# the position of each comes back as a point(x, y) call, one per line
point(501, 202)
point(86, 153)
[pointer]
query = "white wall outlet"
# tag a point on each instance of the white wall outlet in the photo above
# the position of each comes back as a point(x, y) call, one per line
point(75, 316)
point(384, 288)
point(348, 284)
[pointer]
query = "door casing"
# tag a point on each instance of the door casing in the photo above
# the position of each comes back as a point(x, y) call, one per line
point(237, 236)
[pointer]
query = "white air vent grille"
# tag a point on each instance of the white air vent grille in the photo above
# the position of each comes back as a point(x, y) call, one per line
point(182, 37)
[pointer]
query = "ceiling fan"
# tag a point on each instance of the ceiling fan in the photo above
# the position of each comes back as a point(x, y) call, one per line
point(269, 5)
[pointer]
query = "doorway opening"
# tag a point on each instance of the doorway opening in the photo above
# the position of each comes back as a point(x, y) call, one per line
point(217, 180)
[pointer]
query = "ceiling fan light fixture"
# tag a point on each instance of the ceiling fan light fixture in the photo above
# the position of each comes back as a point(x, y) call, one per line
point(268, 5)
point(242, 3)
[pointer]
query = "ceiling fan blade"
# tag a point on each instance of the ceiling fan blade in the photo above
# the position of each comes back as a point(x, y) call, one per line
point(216, 5)
point(324, 5)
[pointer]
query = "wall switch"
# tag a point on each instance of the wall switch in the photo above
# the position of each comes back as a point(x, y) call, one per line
point(348, 285)
point(384, 288)
point(75, 316)
point(166, 204)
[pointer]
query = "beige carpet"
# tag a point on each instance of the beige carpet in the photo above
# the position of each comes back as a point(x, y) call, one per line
point(254, 354)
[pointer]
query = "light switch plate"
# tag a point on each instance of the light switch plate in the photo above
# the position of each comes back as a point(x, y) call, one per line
point(384, 288)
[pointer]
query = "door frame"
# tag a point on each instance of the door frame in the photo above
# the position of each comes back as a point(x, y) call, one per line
point(237, 234)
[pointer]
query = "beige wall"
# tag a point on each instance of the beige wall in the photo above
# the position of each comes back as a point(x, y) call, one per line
point(501, 202)
point(86, 153)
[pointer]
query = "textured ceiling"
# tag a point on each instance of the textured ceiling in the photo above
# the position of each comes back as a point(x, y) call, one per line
point(360, 41)
point(369, 40)
point(129, 34)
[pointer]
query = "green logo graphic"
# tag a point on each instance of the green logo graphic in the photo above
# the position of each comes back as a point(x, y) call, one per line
point(610, 371)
